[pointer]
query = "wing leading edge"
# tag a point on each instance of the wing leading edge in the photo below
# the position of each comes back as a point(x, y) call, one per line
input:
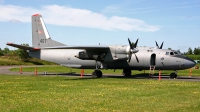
point(59, 47)
point(79, 47)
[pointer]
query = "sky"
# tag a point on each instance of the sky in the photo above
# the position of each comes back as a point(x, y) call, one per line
point(108, 22)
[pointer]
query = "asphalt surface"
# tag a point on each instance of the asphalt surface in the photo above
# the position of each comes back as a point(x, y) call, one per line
point(6, 70)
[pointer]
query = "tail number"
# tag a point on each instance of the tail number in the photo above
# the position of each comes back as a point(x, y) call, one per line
point(43, 40)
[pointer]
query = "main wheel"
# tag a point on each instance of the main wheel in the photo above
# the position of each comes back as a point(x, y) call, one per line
point(126, 72)
point(96, 74)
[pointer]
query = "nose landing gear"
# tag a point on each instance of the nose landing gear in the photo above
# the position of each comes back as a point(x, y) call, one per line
point(96, 74)
point(173, 75)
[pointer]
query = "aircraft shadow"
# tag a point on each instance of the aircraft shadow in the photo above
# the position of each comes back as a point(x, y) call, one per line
point(35, 63)
point(135, 76)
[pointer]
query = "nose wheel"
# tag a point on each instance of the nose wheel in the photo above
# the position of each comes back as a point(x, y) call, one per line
point(173, 75)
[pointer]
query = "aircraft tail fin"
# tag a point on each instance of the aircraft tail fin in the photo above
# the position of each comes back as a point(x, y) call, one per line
point(40, 35)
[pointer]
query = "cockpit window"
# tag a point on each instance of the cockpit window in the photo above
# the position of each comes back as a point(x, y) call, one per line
point(176, 53)
point(167, 53)
point(179, 53)
point(171, 53)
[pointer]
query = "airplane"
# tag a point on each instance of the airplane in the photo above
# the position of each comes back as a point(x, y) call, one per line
point(126, 57)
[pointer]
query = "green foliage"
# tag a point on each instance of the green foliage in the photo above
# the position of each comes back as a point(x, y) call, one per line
point(14, 60)
point(194, 57)
point(63, 94)
point(189, 51)
point(133, 43)
point(197, 51)
point(23, 54)
point(6, 51)
point(1, 52)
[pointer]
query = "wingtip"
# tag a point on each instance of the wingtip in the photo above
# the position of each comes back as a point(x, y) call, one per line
point(9, 43)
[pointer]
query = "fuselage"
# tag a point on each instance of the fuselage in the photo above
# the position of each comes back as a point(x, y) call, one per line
point(162, 59)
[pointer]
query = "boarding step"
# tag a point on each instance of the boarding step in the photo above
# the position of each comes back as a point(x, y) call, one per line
point(151, 71)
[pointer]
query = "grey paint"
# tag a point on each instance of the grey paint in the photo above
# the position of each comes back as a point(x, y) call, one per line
point(107, 57)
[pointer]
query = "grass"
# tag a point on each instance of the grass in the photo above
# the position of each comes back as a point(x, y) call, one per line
point(62, 69)
point(59, 93)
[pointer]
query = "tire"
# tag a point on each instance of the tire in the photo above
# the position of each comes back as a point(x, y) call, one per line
point(173, 75)
point(94, 75)
point(126, 72)
point(97, 74)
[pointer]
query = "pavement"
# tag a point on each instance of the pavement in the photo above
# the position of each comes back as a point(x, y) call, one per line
point(6, 70)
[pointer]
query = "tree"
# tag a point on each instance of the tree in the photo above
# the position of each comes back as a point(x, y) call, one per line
point(190, 51)
point(23, 54)
point(6, 51)
point(196, 51)
point(169, 48)
point(133, 43)
point(1, 52)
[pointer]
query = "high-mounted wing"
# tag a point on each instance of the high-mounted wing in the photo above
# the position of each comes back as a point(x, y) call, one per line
point(86, 52)
point(79, 47)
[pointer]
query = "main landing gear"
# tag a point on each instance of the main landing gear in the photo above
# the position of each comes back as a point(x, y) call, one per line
point(97, 73)
point(126, 72)
point(173, 75)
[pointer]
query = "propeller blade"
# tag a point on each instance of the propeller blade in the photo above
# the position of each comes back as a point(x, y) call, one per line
point(157, 44)
point(135, 45)
point(161, 45)
point(130, 44)
point(132, 50)
point(136, 58)
point(129, 59)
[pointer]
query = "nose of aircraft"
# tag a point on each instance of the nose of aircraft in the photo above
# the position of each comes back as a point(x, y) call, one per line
point(189, 63)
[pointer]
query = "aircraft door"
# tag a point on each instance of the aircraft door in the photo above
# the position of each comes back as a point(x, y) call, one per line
point(153, 59)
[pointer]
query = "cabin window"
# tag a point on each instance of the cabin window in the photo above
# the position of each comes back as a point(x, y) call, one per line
point(167, 53)
point(171, 53)
point(150, 50)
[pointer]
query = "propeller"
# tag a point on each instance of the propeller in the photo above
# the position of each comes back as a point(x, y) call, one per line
point(132, 50)
point(160, 46)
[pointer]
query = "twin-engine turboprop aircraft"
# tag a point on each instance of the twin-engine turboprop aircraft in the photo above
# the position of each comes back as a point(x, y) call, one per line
point(126, 57)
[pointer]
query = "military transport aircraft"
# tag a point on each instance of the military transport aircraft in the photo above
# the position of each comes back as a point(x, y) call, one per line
point(126, 57)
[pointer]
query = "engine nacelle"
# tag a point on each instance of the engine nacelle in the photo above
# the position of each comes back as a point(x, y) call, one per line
point(82, 55)
point(119, 52)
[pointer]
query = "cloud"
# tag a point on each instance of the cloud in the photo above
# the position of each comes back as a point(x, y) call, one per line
point(188, 17)
point(67, 16)
point(14, 21)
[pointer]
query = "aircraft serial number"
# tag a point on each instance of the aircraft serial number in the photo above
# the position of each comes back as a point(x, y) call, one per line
point(43, 40)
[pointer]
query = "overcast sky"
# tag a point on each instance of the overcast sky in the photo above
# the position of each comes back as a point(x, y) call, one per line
point(109, 22)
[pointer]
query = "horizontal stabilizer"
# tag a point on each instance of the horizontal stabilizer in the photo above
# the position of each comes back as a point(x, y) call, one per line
point(22, 46)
